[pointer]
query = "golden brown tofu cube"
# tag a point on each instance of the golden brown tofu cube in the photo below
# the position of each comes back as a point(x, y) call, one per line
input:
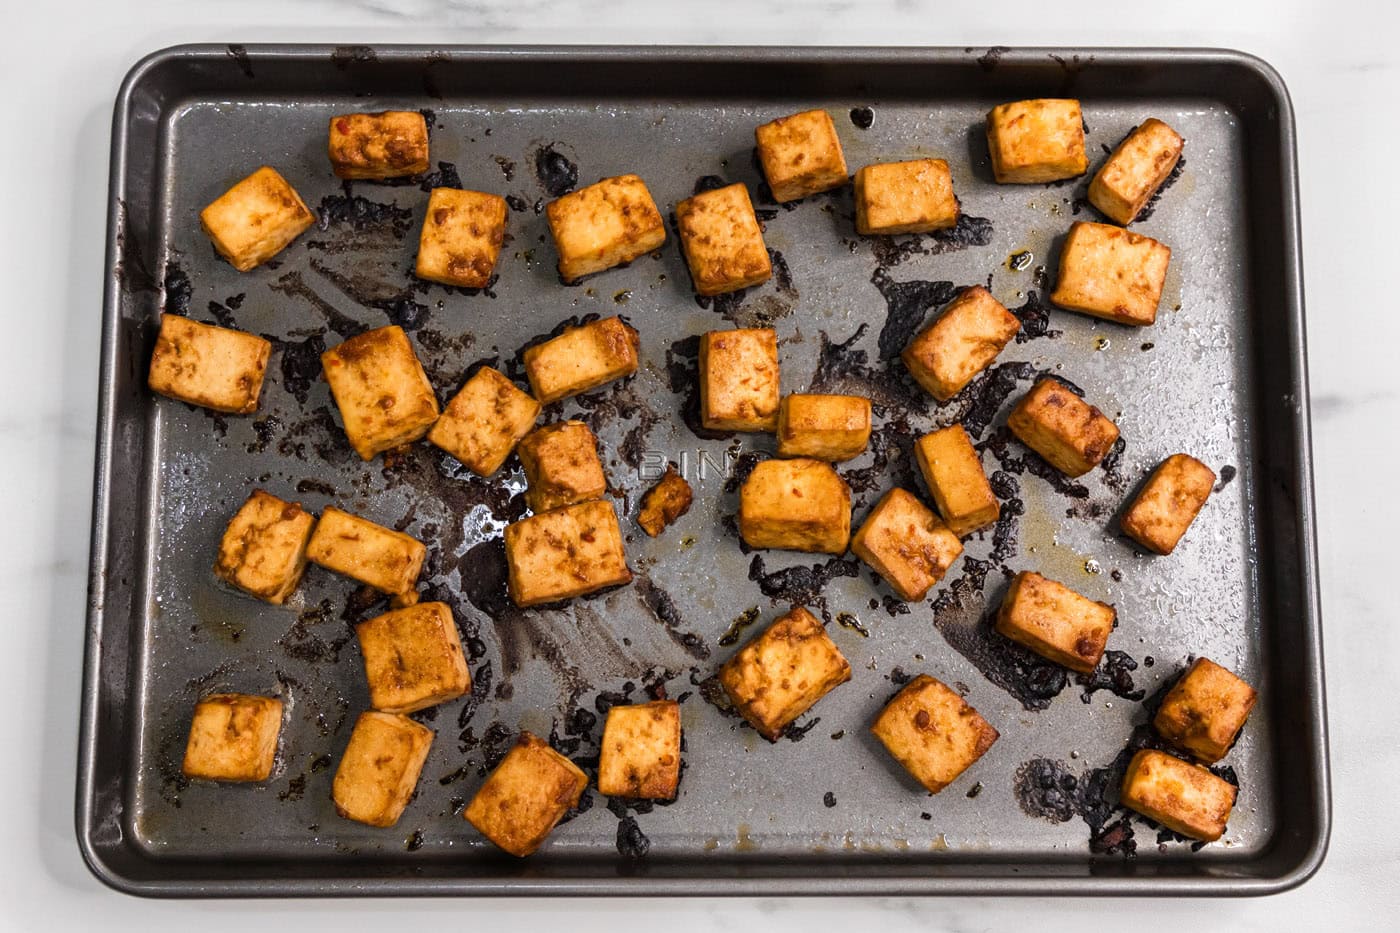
point(233, 737)
point(783, 672)
point(461, 238)
point(1169, 503)
point(823, 427)
point(384, 397)
point(1055, 622)
point(1036, 141)
point(953, 471)
point(1135, 170)
point(209, 366)
point(604, 225)
point(263, 551)
point(376, 556)
point(933, 732)
point(255, 219)
point(1181, 796)
point(581, 358)
point(740, 387)
point(960, 343)
point(801, 155)
point(1205, 711)
point(483, 422)
point(722, 241)
point(565, 552)
point(413, 658)
point(795, 505)
point(905, 197)
point(561, 466)
point(904, 542)
point(641, 753)
point(526, 796)
point(1072, 435)
point(1111, 273)
point(379, 771)
point(390, 144)
point(665, 502)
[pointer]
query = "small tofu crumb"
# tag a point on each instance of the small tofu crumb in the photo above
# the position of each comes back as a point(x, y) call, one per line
point(783, 672)
point(233, 737)
point(640, 757)
point(525, 796)
point(1168, 503)
point(1205, 711)
point(665, 502)
point(933, 732)
point(1181, 796)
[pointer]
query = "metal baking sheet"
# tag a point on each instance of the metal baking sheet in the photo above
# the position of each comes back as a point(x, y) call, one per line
point(824, 810)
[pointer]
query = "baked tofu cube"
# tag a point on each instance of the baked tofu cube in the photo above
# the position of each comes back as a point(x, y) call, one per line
point(960, 343)
point(1181, 796)
point(379, 557)
point(483, 422)
point(801, 155)
point(823, 427)
point(722, 241)
point(1036, 141)
point(526, 796)
point(1205, 711)
point(263, 551)
point(783, 672)
point(461, 238)
point(565, 552)
point(1055, 622)
point(933, 732)
point(1168, 503)
point(233, 737)
point(213, 367)
point(379, 771)
point(604, 225)
point(384, 397)
point(641, 753)
point(561, 466)
point(413, 658)
point(1072, 435)
point(665, 502)
point(795, 505)
point(905, 197)
point(581, 358)
point(1135, 170)
point(1111, 273)
point(740, 387)
point(255, 219)
point(391, 144)
point(953, 471)
point(904, 542)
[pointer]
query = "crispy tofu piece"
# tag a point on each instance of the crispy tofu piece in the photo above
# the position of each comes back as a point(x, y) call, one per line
point(379, 770)
point(233, 737)
point(1035, 141)
point(722, 241)
point(740, 386)
point(1168, 503)
point(413, 658)
point(801, 155)
point(1072, 435)
point(604, 225)
point(823, 427)
point(904, 542)
point(581, 358)
point(526, 796)
point(1181, 796)
point(641, 753)
point(384, 397)
point(565, 552)
point(255, 219)
point(214, 367)
point(665, 502)
point(461, 237)
point(263, 551)
point(391, 144)
point(796, 505)
point(1204, 713)
point(1135, 170)
point(379, 557)
point(783, 672)
point(933, 732)
point(905, 197)
point(561, 466)
point(484, 421)
point(1111, 273)
point(1055, 622)
point(953, 471)
point(960, 343)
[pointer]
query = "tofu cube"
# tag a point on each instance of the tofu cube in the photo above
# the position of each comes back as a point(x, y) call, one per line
point(740, 387)
point(379, 557)
point(1168, 503)
point(1072, 435)
point(484, 421)
point(665, 502)
point(379, 771)
point(933, 732)
point(391, 144)
point(461, 238)
point(1034, 141)
point(1055, 622)
point(604, 225)
point(526, 796)
point(905, 197)
point(233, 737)
point(641, 754)
point(960, 343)
point(795, 505)
point(1181, 796)
point(263, 551)
point(413, 658)
point(1111, 273)
point(1204, 713)
point(561, 466)
point(565, 552)
point(801, 155)
point(953, 471)
point(255, 219)
point(904, 542)
point(384, 397)
point(213, 367)
point(722, 241)
point(823, 427)
point(783, 672)
point(1135, 170)
point(581, 358)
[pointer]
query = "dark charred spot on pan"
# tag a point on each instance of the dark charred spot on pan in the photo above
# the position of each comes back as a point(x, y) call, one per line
point(555, 172)
point(296, 786)
point(844, 369)
point(663, 608)
point(1047, 790)
point(1115, 674)
point(321, 487)
point(900, 677)
point(1151, 204)
point(516, 203)
point(239, 54)
point(308, 640)
point(708, 183)
point(891, 251)
point(1020, 261)
point(360, 214)
point(316, 436)
point(862, 118)
point(737, 626)
point(363, 602)
point(370, 291)
point(216, 419)
point(293, 285)
point(177, 290)
point(1016, 459)
point(683, 378)
point(1112, 466)
point(301, 365)
point(796, 733)
point(978, 405)
point(712, 692)
point(849, 621)
point(801, 585)
point(1034, 315)
point(989, 59)
point(507, 166)
point(343, 56)
point(891, 458)
point(743, 465)
point(264, 430)
point(414, 842)
point(906, 304)
point(445, 177)
point(621, 402)
point(829, 799)
point(1227, 473)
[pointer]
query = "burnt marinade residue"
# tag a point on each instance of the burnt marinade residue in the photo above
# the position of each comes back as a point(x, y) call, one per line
point(663, 608)
point(239, 54)
point(556, 173)
point(801, 585)
point(177, 288)
point(370, 291)
point(843, 368)
point(906, 304)
point(301, 365)
point(890, 251)
point(863, 118)
point(362, 215)
point(293, 285)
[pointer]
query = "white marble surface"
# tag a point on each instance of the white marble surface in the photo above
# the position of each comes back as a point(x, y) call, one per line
point(61, 67)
